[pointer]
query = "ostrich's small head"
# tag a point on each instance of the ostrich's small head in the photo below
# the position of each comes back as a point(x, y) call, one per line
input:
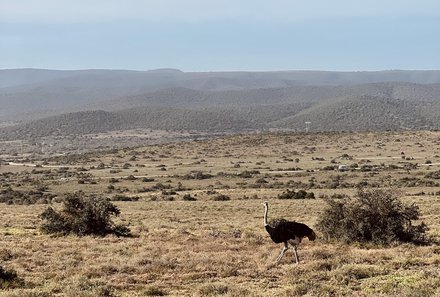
point(265, 203)
point(312, 236)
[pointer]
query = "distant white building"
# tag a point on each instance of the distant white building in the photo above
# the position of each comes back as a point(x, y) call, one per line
point(343, 167)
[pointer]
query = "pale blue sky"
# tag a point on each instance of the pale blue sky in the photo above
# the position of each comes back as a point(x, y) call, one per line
point(218, 35)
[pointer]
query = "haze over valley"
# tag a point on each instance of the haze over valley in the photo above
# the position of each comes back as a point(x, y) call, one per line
point(42, 103)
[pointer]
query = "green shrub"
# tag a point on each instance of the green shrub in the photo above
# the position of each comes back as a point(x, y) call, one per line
point(83, 215)
point(372, 216)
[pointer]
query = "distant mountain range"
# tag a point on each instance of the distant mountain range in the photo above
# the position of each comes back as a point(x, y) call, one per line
point(51, 102)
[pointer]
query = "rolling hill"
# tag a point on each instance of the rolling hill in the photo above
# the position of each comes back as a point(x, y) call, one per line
point(60, 103)
point(27, 94)
point(363, 113)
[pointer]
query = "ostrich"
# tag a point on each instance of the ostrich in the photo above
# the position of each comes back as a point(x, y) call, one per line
point(287, 232)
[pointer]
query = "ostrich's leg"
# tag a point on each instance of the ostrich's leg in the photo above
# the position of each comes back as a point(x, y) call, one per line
point(285, 248)
point(295, 253)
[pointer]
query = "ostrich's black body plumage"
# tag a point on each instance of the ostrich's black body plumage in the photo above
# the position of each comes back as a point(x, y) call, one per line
point(282, 230)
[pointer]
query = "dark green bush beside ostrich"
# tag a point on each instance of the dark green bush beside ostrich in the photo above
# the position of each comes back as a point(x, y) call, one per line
point(377, 216)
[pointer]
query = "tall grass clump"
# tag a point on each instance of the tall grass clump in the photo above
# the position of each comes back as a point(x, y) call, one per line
point(83, 215)
point(377, 216)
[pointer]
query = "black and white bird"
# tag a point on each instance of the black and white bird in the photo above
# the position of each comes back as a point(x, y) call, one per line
point(287, 232)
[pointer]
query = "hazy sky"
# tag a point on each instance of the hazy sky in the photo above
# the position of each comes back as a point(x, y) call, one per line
point(209, 35)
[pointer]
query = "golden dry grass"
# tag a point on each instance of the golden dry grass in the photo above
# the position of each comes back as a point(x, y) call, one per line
point(220, 248)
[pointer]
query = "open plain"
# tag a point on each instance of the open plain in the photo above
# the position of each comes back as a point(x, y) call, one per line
point(196, 214)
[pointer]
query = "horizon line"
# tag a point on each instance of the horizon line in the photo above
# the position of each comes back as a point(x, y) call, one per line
point(210, 71)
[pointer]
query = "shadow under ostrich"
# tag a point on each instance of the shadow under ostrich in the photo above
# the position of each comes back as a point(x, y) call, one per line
point(287, 232)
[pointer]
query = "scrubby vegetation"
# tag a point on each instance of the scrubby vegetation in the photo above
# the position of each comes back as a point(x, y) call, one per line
point(301, 194)
point(9, 279)
point(221, 197)
point(83, 215)
point(188, 197)
point(220, 248)
point(154, 291)
point(197, 175)
point(120, 197)
point(433, 174)
point(377, 216)
point(37, 196)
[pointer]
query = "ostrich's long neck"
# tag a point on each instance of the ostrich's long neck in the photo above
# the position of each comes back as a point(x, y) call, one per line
point(265, 215)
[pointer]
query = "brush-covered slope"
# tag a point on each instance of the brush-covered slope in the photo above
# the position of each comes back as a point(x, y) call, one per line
point(364, 113)
point(95, 101)
point(32, 93)
point(189, 98)
point(162, 118)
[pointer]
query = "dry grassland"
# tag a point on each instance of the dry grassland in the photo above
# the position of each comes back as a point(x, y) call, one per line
point(220, 248)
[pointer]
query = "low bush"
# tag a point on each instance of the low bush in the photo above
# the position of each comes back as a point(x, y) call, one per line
point(37, 196)
point(330, 167)
point(130, 177)
point(154, 291)
point(199, 175)
point(433, 174)
point(301, 194)
point(248, 174)
point(83, 215)
point(9, 279)
point(188, 197)
point(221, 197)
point(6, 255)
point(372, 216)
point(120, 197)
point(261, 181)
